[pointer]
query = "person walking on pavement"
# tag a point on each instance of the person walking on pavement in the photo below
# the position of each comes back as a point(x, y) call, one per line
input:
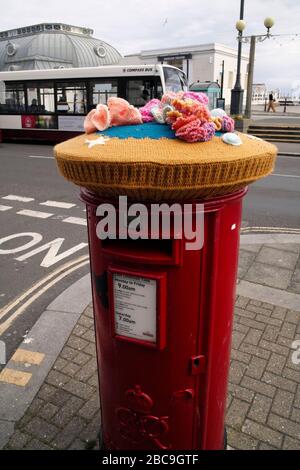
point(271, 104)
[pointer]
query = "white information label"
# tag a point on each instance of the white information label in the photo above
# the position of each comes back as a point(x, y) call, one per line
point(135, 307)
point(70, 123)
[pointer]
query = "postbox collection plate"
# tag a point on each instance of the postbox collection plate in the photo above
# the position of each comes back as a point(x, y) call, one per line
point(138, 307)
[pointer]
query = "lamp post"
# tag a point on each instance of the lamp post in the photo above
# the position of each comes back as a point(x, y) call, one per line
point(269, 22)
point(237, 93)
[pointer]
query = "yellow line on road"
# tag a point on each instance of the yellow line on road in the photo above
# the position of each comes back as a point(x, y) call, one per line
point(4, 310)
point(6, 324)
point(271, 229)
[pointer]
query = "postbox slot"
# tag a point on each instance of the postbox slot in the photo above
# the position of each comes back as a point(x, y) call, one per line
point(161, 252)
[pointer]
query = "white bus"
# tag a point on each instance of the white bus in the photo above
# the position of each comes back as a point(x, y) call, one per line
point(50, 105)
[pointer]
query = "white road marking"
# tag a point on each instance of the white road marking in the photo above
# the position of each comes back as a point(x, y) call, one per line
point(37, 214)
point(285, 176)
point(52, 256)
point(13, 197)
point(39, 156)
point(35, 238)
point(75, 220)
point(62, 205)
point(5, 208)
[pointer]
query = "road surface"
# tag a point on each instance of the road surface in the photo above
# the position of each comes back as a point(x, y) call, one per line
point(43, 239)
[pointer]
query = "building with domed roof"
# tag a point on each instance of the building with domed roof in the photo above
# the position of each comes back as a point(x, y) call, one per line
point(53, 45)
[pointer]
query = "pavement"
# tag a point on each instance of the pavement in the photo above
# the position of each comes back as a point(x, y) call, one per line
point(49, 388)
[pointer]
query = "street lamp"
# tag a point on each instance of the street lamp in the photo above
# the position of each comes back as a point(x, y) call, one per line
point(269, 22)
point(237, 92)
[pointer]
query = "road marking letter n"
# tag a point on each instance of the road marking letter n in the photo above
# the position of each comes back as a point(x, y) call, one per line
point(52, 257)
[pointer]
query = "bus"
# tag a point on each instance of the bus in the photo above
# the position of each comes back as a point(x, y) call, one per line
point(50, 105)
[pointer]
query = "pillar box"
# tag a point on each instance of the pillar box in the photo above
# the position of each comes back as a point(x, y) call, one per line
point(163, 311)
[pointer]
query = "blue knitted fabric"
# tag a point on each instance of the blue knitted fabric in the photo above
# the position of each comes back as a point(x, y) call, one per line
point(150, 130)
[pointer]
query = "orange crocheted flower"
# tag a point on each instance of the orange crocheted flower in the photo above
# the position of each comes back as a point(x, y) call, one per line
point(217, 121)
point(182, 121)
point(190, 107)
point(182, 106)
point(172, 116)
point(202, 112)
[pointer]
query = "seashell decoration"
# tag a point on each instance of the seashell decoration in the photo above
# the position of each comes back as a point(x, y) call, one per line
point(231, 139)
point(218, 112)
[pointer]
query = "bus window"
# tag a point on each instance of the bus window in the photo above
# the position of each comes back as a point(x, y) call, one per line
point(40, 98)
point(175, 80)
point(104, 89)
point(71, 98)
point(12, 98)
point(139, 91)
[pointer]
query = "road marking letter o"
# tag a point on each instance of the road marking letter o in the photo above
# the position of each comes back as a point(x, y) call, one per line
point(35, 238)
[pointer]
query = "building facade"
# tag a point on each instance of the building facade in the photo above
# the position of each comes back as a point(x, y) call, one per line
point(201, 63)
point(53, 45)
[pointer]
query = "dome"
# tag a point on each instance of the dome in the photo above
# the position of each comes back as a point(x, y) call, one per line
point(48, 46)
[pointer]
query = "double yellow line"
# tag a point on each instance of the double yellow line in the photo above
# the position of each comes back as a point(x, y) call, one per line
point(36, 290)
point(270, 230)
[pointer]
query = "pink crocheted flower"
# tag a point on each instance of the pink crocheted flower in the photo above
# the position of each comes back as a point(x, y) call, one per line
point(168, 97)
point(227, 124)
point(210, 130)
point(145, 111)
point(196, 96)
point(191, 132)
point(182, 121)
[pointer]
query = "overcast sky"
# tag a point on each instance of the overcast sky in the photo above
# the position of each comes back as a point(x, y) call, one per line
point(134, 25)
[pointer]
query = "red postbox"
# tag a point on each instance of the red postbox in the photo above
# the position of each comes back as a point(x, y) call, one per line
point(163, 317)
point(163, 313)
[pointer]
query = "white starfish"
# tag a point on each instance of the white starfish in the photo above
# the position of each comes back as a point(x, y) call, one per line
point(99, 141)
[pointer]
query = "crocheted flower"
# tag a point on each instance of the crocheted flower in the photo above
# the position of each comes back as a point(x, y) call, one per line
point(145, 111)
point(202, 112)
point(122, 113)
point(200, 97)
point(172, 116)
point(168, 97)
point(190, 107)
point(166, 110)
point(209, 130)
point(217, 121)
point(157, 114)
point(227, 124)
point(182, 121)
point(192, 131)
point(97, 119)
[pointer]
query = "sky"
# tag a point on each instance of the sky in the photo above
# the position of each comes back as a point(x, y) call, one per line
point(135, 25)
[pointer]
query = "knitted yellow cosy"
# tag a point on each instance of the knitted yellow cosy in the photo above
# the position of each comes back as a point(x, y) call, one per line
point(164, 169)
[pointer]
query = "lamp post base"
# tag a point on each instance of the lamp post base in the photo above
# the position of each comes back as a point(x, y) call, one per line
point(236, 105)
point(241, 125)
